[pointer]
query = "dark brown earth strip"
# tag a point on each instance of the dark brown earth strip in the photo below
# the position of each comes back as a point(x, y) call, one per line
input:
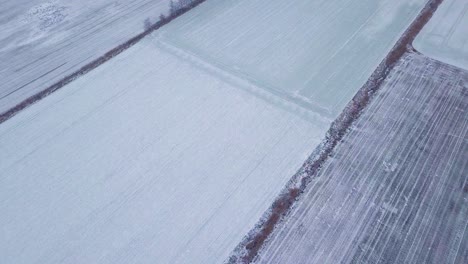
point(248, 249)
point(95, 63)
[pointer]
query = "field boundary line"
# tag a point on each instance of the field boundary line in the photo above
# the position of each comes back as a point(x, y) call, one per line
point(250, 246)
point(95, 63)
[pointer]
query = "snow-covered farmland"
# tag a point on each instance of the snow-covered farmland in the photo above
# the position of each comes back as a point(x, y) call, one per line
point(314, 53)
point(396, 188)
point(445, 37)
point(147, 159)
point(169, 153)
point(42, 41)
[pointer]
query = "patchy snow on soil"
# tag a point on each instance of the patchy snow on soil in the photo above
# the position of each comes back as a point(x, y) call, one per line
point(396, 188)
point(314, 53)
point(147, 159)
point(43, 41)
point(445, 37)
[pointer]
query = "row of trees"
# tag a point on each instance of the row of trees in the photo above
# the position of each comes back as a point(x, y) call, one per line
point(175, 9)
point(176, 6)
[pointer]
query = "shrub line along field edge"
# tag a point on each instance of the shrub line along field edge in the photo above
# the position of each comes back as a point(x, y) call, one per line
point(248, 249)
point(97, 62)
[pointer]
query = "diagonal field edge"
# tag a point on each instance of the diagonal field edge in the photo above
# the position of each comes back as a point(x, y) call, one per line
point(248, 249)
point(95, 63)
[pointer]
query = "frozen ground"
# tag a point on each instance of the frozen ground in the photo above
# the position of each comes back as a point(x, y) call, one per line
point(445, 37)
point(170, 154)
point(42, 41)
point(316, 54)
point(147, 159)
point(396, 189)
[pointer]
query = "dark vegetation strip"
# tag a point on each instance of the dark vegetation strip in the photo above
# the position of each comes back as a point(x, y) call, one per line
point(248, 249)
point(102, 59)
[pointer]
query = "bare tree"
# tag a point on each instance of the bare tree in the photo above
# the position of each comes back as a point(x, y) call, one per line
point(174, 7)
point(185, 3)
point(148, 24)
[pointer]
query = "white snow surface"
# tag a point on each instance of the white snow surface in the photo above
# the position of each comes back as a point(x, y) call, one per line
point(42, 41)
point(172, 151)
point(396, 188)
point(316, 54)
point(145, 160)
point(445, 37)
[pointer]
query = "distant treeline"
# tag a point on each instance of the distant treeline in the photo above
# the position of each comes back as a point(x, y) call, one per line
point(176, 7)
point(179, 5)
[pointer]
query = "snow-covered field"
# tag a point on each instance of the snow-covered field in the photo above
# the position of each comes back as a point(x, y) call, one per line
point(147, 159)
point(396, 189)
point(445, 37)
point(169, 153)
point(316, 54)
point(42, 41)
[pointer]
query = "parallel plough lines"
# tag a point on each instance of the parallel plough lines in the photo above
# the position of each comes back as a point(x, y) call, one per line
point(79, 41)
point(396, 189)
